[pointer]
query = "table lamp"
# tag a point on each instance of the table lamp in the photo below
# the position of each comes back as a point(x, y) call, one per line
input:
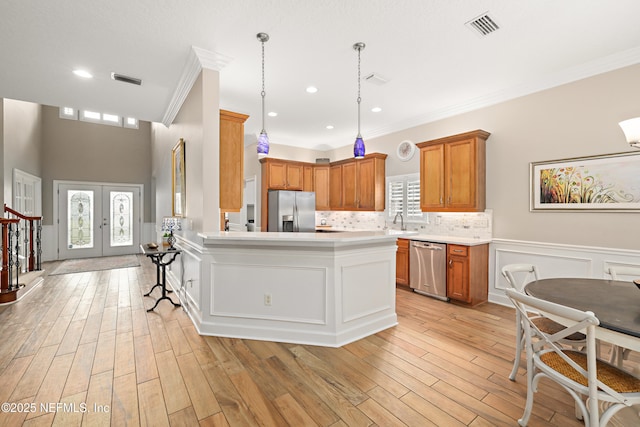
point(169, 224)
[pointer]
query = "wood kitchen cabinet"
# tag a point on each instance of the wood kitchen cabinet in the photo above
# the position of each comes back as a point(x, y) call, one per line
point(402, 262)
point(231, 160)
point(283, 174)
point(321, 185)
point(358, 184)
point(307, 178)
point(350, 184)
point(467, 273)
point(452, 173)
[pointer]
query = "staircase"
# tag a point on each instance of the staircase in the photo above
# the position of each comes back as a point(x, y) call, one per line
point(21, 255)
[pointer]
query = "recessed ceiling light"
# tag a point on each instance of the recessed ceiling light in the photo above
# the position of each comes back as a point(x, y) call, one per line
point(312, 89)
point(83, 73)
point(329, 127)
point(376, 109)
point(272, 114)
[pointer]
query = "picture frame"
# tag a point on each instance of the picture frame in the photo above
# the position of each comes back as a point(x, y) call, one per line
point(604, 183)
point(178, 181)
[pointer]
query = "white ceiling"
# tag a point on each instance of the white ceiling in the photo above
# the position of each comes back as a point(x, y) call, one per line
point(436, 66)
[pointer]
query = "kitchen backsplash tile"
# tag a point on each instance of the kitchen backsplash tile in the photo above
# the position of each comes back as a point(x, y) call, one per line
point(467, 224)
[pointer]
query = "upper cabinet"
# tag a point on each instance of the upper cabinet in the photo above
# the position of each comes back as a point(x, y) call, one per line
point(231, 160)
point(282, 174)
point(452, 173)
point(358, 184)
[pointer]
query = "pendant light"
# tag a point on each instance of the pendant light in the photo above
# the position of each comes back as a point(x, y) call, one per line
point(358, 147)
point(263, 139)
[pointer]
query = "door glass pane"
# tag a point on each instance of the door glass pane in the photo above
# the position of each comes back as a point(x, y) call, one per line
point(79, 219)
point(121, 212)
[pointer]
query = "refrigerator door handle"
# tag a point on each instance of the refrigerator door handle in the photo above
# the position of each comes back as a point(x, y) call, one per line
point(296, 225)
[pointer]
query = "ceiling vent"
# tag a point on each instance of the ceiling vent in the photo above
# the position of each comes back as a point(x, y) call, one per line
point(483, 25)
point(376, 79)
point(126, 79)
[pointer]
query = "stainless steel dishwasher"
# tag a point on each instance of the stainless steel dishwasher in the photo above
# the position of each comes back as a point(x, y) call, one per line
point(428, 269)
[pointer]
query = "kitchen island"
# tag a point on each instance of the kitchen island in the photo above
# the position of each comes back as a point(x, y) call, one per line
point(325, 289)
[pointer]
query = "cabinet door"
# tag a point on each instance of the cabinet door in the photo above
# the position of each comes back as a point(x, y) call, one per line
point(294, 177)
point(321, 187)
point(402, 262)
point(335, 187)
point(308, 179)
point(458, 273)
point(349, 186)
point(461, 172)
point(277, 176)
point(231, 160)
point(366, 190)
point(432, 177)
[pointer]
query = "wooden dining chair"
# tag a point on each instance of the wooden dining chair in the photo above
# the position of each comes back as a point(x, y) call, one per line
point(526, 273)
point(581, 374)
point(620, 354)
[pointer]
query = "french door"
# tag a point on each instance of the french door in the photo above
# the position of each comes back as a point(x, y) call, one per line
point(98, 220)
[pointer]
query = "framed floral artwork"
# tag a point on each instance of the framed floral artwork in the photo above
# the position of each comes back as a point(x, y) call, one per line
point(178, 183)
point(609, 182)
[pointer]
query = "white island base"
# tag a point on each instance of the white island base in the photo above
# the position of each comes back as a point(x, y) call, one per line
point(325, 289)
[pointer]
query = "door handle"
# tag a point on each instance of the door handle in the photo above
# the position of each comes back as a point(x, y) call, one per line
point(450, 264)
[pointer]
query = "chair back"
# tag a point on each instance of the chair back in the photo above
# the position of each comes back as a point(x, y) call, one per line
point(526, 273)
point(538, 343)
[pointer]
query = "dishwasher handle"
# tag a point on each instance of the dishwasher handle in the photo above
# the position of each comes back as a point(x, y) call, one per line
point(425, 245)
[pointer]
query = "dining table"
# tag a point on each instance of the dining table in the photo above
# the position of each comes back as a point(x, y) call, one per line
point(616, 304)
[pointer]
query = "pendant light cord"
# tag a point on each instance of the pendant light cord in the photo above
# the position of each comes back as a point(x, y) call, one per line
point(359, 99)
point(263, 93)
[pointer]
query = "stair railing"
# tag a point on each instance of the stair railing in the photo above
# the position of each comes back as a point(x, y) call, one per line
point(11, 249)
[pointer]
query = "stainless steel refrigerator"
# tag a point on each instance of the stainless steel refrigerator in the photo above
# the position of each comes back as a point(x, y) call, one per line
point(292, 211)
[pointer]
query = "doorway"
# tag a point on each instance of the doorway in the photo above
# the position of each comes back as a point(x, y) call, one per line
point(97, 220)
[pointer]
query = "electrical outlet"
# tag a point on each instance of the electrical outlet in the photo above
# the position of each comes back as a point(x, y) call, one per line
point(267, 299)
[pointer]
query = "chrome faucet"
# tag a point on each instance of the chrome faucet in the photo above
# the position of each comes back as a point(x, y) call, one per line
point(395, 218)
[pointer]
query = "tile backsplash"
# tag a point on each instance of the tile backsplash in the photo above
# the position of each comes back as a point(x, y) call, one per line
point(467, 224)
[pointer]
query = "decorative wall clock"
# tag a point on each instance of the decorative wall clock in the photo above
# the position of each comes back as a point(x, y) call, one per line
point(406, 150)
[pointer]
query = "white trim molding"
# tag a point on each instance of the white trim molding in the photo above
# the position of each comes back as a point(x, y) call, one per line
point(198, 60)
point(553, 260)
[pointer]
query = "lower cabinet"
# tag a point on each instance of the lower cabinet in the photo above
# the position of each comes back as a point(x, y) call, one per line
point(402, 262)
point(468, 273)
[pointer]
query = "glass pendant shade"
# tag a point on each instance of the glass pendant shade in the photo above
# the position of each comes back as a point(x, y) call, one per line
point(263, 145)
point(358, 148)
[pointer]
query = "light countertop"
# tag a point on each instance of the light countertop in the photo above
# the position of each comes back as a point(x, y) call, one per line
point(334, 237)
point(455, 240)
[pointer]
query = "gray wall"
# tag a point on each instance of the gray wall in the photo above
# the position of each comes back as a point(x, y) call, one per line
point(22, 148)
point(79, 151)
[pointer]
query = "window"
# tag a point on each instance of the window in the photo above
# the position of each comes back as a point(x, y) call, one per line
point(68, 113)
point(97, 117)
point(403, 196)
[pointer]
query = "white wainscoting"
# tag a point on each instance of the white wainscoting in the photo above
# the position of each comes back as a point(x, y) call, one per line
point(553, 260)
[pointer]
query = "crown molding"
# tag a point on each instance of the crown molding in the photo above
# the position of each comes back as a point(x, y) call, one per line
point(589, 69)
point(197, 60)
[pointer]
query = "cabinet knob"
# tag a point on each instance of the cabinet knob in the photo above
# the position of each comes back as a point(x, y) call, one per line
point(450, 264)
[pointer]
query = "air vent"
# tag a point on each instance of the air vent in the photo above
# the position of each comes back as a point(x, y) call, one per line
point(126, 79)
point(376, 79)
point(483, 25)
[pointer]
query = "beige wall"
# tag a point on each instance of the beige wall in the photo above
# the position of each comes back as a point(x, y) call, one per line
point(573, 120)
point(22, 141)
point(201, 137)
point(79, 151)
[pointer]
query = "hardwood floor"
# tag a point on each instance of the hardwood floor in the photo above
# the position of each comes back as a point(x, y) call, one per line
point(82, 350)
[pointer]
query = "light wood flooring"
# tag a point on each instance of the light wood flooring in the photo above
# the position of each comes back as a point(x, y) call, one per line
point(82, 350)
